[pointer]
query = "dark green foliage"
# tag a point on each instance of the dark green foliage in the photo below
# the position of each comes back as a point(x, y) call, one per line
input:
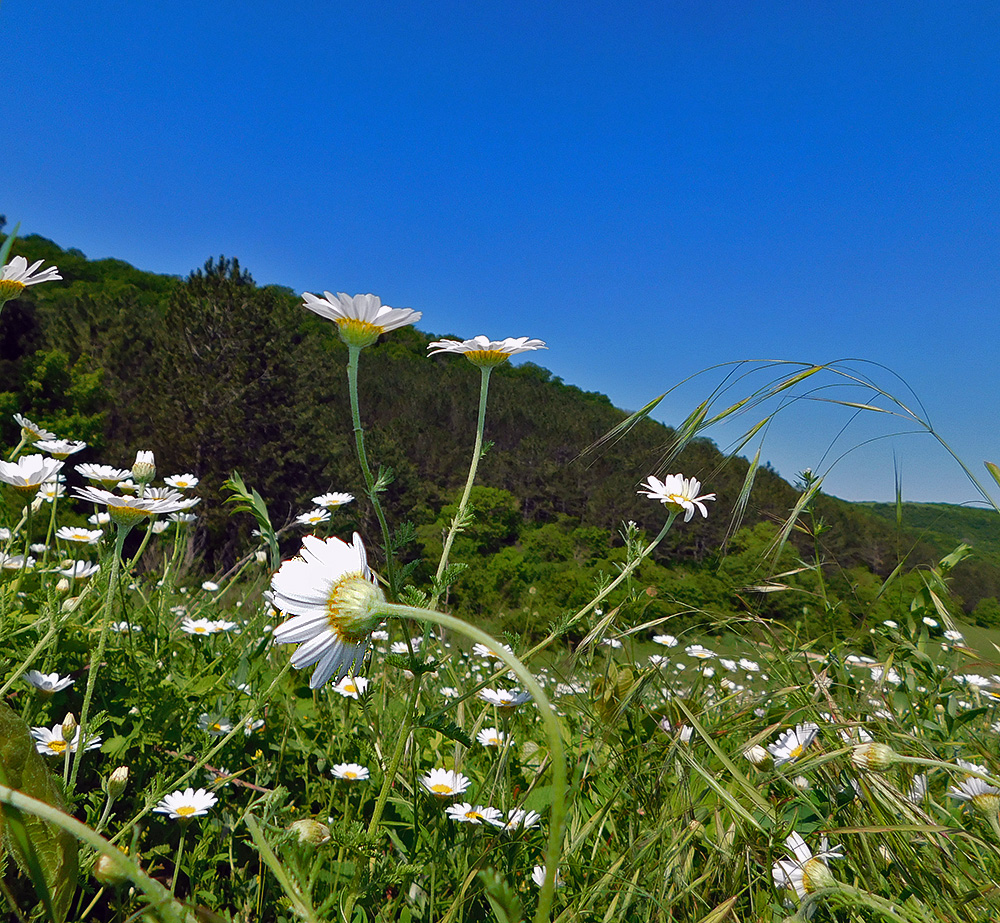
point(46, 852)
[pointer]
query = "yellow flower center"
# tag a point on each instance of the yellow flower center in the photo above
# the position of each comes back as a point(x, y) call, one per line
point(201, 630)
point(10, 289)
point(185, 810)
point(57, 746)
point(473, 815)
point(353, 608)
point(441, 789)
point(350, 687)
point(487, 358)
point(358, 332)
point(796, 752)
point(127, 515)
point(350, 774)
point(217, 727)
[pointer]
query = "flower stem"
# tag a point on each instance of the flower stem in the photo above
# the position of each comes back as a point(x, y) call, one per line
point(95, 660)
point(459, 520)
point(353, 355)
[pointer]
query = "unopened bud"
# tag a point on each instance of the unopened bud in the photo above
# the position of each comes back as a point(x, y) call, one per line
point(110, 871)
point(116, 782)
point(144, 467)
point(261, 557)
point(757, 755)
point(63, 585)
point(311, 831)
point(874, 757)
point(69, 726)
point(816, 874)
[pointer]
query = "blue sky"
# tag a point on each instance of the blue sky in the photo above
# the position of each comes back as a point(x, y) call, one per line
point(652, 188)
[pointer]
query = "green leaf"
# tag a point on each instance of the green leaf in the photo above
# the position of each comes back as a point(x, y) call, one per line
point(447, 728)
point(47, 853)
point(503, 900)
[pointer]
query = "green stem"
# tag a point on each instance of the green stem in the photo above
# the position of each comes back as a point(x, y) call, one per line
point(95, 660)
point(177, 861)
point(459, 521)
point(353, 355)
point(161, 901)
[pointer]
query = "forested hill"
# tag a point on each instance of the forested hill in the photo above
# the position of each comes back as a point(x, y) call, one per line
point(215, 374)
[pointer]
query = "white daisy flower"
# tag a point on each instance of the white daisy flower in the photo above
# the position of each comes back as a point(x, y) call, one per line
point(29, 471)
point(50, 742)
point(805, 873)
point(216, 725)
point(465, 813)
point(519, 819)
point(350, 772)
point(491, 737)
point(351, 687)
point(105, 475)
point(678, 494)
point(182, 805)
point(486, 353)
point(18, 275)
point(79, 570)
point(71, 534)
point(181, 481)
point(538, 874)
point(313, 517)
point(666, 640)
point(501, 698)
point(792, 743)
point(32, 432)
point(335, 603)
point(331, 500)
point(699, 652)
point(128, 511)
point(445, 783)
point(48, 682)
point(61, 448)
point(360, 319)
point(198, 626)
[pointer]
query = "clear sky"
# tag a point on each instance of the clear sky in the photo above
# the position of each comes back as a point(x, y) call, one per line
point(652, 188)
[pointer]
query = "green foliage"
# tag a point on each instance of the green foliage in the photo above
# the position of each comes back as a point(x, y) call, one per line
point(47, 852)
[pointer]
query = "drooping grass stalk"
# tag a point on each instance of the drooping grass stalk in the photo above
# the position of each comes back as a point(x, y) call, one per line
point(353, 355)
point(458, 522)
point(161, 901)
point(95, 660)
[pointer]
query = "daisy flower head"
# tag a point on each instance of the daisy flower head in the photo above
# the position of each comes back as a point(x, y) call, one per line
point(334, 602)
point(60, 448)
point(29, 472)
point(360, 319)
point(481, 650)
point(198, 626)
point(465, 813)
point(126, 512)
point(32, 432)
point(331, 500)
point(699, 652)
point(793, 743)
point(79, 570)
point(72, 534)
point(181, 481)
point(804, 872)
point(313, 517)
point(144, 466)
point(491, 737)
point(215, 725)
point(665, 640)
point(350, 772)
point(486, 353)
point(519, 819)
point(445, 783)
point(351, 687)
point(501, 698)
point(50, 742)
point(984, 797)
point(678, 493)
point(17, 275)
point(48, 683)
point(183, 805)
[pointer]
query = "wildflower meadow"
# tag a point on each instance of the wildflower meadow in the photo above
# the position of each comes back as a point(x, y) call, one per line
point(313, 734)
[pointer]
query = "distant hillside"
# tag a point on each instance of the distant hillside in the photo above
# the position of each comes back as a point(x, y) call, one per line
point(214, 373)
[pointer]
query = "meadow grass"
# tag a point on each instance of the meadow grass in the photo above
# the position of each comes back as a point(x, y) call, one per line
point(161, 752)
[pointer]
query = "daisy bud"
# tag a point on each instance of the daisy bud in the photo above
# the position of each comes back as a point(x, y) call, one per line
point(261, 557)
point(63, 585)
point(109, 871)
point(757, 755)
point(873, 757)
point(69, 727)
point(144, 467)
point(311, 831)
point(816, 874)
point(116, 782)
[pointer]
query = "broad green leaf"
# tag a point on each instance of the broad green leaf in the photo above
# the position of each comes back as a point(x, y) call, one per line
point(47, 853)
